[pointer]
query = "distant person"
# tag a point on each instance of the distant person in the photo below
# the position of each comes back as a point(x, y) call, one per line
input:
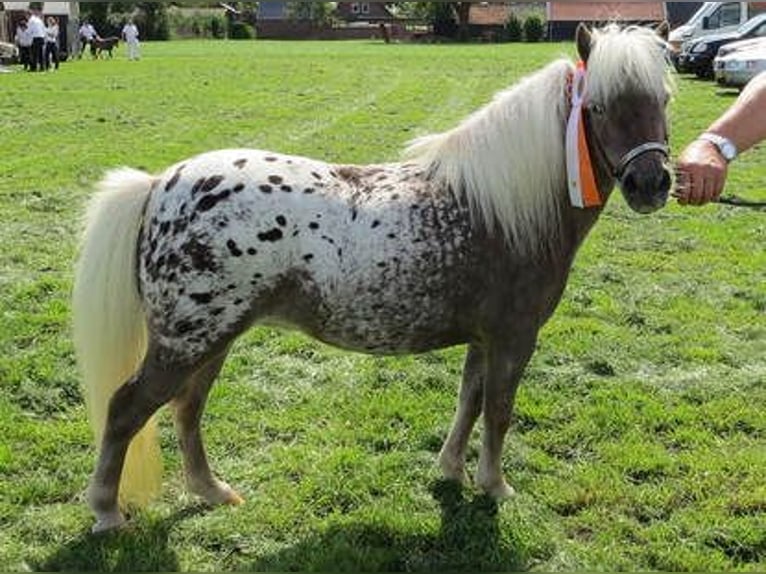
point(23, 40)
point(52, 43)
point(703, 165)
point(37, 31)
point(130, 35)
point(87, 33)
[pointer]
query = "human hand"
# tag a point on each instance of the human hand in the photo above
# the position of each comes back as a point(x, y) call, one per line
point(700, 174)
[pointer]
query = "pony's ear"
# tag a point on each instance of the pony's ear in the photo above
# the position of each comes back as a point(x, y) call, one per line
point(663, 30)
point(584, 40)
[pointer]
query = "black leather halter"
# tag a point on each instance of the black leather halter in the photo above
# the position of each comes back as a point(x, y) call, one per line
point(636, 152)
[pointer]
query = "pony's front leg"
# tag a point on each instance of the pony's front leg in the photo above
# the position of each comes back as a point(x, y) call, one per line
point(452, 455)
point(505, 365)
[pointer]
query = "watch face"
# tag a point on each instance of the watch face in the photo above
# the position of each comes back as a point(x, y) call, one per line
point(728, 150)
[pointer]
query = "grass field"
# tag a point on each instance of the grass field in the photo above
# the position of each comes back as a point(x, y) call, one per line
point(640, 436)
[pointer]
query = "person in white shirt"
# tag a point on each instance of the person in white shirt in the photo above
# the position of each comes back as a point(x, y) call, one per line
point(23, 40)
point(87, 34)
point(52, 43)
point(130, 35)
point(37, 31)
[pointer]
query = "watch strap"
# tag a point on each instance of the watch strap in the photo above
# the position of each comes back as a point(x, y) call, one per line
point(725, 146)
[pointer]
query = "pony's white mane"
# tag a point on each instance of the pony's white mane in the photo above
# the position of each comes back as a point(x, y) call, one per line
point(509, 157)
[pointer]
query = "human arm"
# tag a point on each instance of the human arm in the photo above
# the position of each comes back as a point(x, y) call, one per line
point(701, 169)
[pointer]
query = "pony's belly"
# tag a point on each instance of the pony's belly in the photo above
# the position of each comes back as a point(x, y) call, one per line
point(408, 327)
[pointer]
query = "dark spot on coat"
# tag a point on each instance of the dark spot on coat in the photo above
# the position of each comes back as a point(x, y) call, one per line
point(239, 187)
point(329, 240)
point(275, 179)
point(375, 224)
point(313, 225)
point(197, 186)
point(309, 190)
point(316, 175)
point(257, 275)
point(281, 220)
point(271, 235)
point(348, 173)
point(210, 201)
point(382, 264)
point(201, 298)
point(174, 180)
point(394, 196)
point(354, 213)
point(233, 248)
point(240, 163)
point(286, 188)
point(216, 311)
point(265, 188)
point(211, 183)
point(238, 301)
point(184, 326)
point(308, 257)
point(164, 227)
point(270, 158)
point(252, 251)
point(391, 235)
point(200, 254)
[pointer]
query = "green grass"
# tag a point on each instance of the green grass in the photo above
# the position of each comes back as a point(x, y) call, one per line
point(639, 440)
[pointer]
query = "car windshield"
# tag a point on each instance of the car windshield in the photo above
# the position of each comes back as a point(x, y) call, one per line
point(751, 24)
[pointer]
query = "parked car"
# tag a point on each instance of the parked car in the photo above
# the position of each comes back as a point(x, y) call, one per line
point(712, 18)
point(748, 44)
point(8, 51)
point(697, 57)
point(737, 68)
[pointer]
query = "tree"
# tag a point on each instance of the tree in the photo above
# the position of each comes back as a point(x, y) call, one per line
point(316, 12)
point(448, 19)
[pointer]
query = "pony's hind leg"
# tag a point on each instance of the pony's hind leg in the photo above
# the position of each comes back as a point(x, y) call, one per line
point(130, 408)
point(189, 406)
point(452, 455)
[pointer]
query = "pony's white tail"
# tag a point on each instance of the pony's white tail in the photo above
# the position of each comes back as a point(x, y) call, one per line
point(109, 323)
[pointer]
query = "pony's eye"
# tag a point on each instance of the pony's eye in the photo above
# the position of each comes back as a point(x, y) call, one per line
point(596, 108)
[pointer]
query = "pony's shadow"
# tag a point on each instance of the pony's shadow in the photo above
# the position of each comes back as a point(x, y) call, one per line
point(135, 548)
point(469, 539)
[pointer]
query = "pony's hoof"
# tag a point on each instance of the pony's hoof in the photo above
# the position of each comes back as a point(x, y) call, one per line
point(496, 487)
point(219, 493)
point(234, 499)
point(108, 522)
point(453, 469)
point(501, 491)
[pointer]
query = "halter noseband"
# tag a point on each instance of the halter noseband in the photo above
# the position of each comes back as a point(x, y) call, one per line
point(636, 152)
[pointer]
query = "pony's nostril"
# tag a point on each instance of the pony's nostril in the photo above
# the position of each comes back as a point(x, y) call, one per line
point(665, 181)
point(629, 181)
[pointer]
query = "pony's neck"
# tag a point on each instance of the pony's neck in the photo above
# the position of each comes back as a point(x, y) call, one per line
point(508, 160)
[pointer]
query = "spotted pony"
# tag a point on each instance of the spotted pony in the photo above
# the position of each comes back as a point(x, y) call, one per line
point(469, 240)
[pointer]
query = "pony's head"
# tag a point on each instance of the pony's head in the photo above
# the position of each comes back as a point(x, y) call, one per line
point(628, 91)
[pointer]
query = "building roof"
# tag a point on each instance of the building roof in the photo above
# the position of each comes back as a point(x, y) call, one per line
point(489, 13)
point(606, 11)
point(272, 10)
point(49, 8)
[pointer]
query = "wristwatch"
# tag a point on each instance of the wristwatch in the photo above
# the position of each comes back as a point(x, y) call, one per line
point(725, 146)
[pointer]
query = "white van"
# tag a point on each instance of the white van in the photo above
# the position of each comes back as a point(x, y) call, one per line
point(714, 18)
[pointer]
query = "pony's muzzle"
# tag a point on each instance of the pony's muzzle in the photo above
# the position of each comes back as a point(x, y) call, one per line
point(646, 183)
